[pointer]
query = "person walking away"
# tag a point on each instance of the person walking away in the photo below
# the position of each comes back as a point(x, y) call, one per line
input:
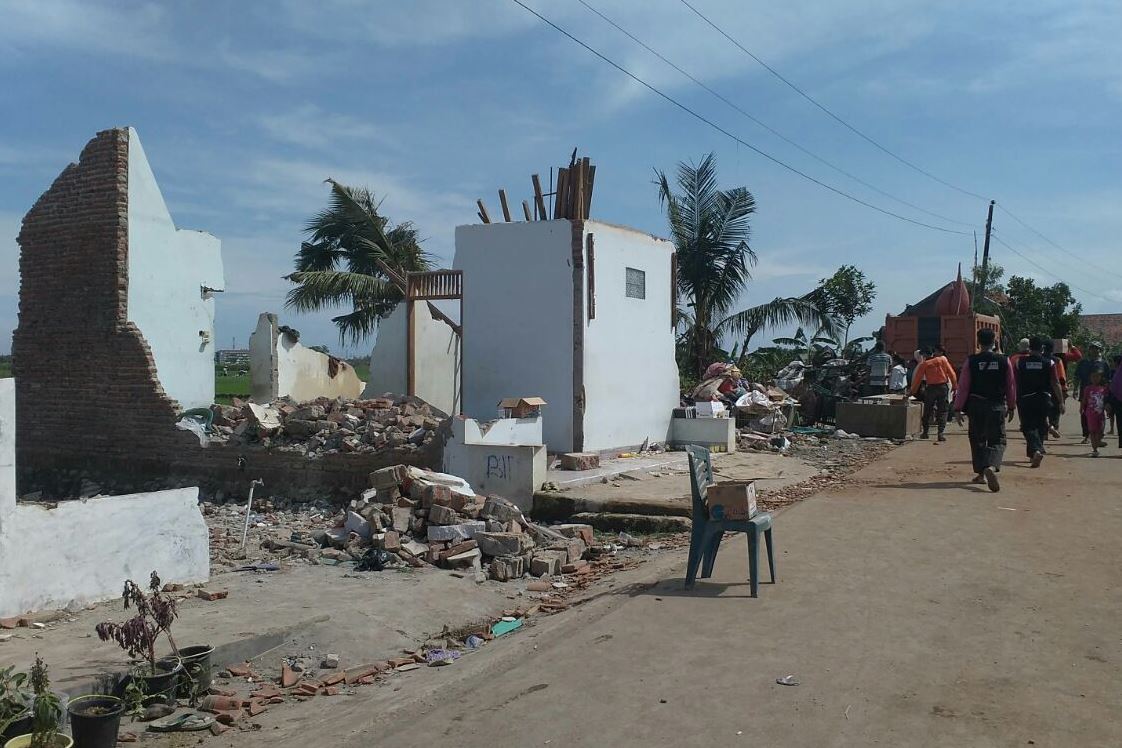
point(898, 378)
point(1093, 407)
point(879, 365)
point(1113, 401)
point(1061, 373)
point(987, 395)
point(1093, 361)
point(1022, 351)
point(1116, 398)
point(937, 374)
point(1036, 382)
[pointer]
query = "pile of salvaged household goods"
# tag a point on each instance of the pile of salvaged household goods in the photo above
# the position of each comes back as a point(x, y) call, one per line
point(418, 517)
point(326, 426)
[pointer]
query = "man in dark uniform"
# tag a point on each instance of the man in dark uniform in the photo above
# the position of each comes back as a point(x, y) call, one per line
point(1037, 385)
point(987, 393)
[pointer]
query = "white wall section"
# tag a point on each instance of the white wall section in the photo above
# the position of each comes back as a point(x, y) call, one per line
point(168, 269)
point(279, 366)
point(437, 357)
point(518, 319)
point(83, 550)
point(630, 373)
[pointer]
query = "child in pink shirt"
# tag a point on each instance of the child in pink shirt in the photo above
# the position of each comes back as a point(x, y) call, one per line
point(1093, 404)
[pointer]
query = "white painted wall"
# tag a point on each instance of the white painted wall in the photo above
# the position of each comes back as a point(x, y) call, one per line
point(168, 269)
point(630, 374)
point(7, 449)
point(437, 359)
point(299, 372)
point(518, 319)
point(84, 550)
point(498, 465)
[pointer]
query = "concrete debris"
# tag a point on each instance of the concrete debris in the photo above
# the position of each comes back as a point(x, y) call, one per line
point(327, 426)
point(414, 518)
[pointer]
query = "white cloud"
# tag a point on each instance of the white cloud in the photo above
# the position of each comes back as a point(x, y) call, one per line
point(312, 127)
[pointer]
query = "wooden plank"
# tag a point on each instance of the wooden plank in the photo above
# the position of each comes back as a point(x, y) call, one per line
point(673, 290)
point(526, 210)
point(588, 190)
point(591, 272)
point(539, 199)
point(577, 210)
point(506, 208)
point(483, 214)
point(559, 206)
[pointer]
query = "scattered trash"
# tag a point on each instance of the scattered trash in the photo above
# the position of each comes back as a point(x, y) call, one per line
point(505, 627)
point(440, 657)
point(258, 567)
point(473, 642)
point(374, 559)
point(630, 541)
point(787, 680)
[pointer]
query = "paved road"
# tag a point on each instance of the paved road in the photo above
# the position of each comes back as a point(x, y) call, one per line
point(914, 609)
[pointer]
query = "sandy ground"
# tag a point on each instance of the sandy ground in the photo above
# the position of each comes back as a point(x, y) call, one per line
point(913, 608)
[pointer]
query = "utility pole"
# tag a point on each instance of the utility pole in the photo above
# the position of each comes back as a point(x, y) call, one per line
point(981, 294)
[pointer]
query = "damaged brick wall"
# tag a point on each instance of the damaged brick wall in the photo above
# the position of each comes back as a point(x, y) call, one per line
point(89, 403)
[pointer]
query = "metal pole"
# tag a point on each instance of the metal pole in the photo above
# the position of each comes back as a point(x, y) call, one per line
point(249, 510)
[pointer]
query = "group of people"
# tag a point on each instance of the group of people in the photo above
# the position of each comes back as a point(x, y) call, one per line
point(929, 375)
point(991, 388)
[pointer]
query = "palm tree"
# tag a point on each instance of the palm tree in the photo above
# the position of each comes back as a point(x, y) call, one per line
point(341, 263)
point(709, 228)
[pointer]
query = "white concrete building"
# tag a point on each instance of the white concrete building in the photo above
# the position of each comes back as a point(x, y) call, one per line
point(82, 551)
point(579, 313)
point(172, 277)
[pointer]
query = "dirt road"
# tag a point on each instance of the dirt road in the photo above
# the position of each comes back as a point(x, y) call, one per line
point(913, 608)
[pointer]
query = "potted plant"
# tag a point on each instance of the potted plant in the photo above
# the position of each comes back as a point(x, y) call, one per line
point(15, 703)
point(95, 719)
point(155, 613)
point(45, 713)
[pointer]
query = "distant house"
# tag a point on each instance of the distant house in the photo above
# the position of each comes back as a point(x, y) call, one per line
point(233, 357)
point(1105, 326)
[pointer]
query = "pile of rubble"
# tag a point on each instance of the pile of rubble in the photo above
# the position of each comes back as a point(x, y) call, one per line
point(417, 517)
point(326, 426)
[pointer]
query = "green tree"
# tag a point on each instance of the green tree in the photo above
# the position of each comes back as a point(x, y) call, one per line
point(710, 229)
point(1051, 311)
point(849, 296)
point(989, 279)
point(338, 266)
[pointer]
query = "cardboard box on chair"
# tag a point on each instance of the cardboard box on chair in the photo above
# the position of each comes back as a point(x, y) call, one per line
point(734, 500)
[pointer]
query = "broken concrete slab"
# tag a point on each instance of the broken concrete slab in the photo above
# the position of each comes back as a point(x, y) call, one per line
point(638, 523)
point(580, 461)
point(503, 543)
point(461, 531)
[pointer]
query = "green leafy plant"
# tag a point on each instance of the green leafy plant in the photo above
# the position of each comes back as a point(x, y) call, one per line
point(15, 697)
point(46, 710)
point(134, 697)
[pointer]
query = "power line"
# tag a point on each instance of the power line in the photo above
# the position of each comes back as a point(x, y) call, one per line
point(1045, 270)
point(732, 136)
point(814, 101)
point(1081, 258)
point(767, 127)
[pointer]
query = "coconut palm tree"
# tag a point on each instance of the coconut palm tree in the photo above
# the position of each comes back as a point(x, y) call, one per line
point(338, 266)
point(710, 228)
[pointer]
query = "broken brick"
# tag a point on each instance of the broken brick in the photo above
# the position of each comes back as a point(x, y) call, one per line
point(214, 594)
point(574, 567)
point(239, 670)
point(352, 675)
point(255, 708)
point(580, 461)
point(288, 677)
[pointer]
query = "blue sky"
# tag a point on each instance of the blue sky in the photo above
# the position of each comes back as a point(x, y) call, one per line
point(245, 108)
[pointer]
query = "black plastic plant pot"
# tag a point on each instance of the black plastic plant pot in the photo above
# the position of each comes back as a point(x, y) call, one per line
point(195, 678)
point(94, 720)
point(21, 726)
point(164, 682)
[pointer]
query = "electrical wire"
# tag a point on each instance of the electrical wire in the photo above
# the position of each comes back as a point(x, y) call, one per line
point(816, 103)
point(1046, 271)
point(731, 135)
point(1081, 258)
point(767, 127)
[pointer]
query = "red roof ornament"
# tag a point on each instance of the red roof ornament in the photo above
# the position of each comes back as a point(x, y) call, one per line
point(955, 298)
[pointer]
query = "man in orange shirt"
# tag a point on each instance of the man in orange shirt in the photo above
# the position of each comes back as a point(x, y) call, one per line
point(938, 374)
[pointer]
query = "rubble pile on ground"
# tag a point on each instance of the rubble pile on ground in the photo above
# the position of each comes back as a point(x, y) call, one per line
point(411, 517)
point(326, 426)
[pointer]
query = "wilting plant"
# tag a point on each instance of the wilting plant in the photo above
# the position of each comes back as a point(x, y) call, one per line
point(156, 610)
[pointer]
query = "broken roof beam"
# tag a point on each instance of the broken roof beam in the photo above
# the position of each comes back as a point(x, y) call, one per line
point(506, 208)
point(539, 198)
point(483, 214)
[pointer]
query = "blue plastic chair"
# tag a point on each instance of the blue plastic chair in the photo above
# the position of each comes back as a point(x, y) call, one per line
point(705, 538)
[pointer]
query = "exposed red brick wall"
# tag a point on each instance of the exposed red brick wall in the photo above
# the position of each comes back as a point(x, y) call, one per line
point(1106, 326)
point(89, 404)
